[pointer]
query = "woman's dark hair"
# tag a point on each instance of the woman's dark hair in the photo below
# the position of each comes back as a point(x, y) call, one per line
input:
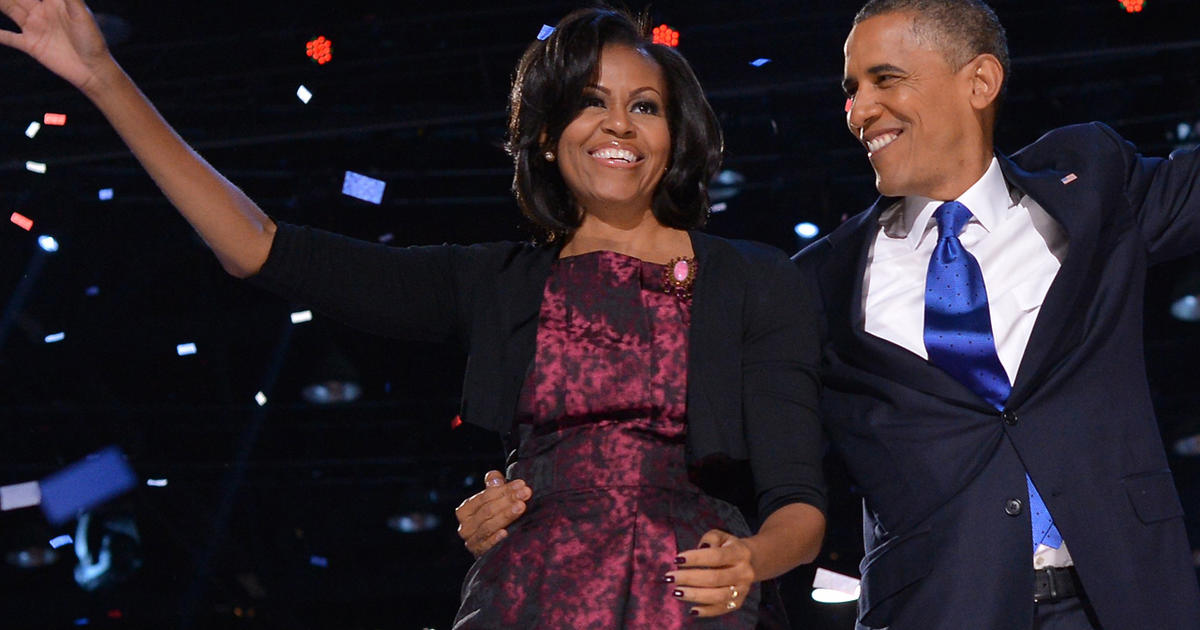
point(547, 94)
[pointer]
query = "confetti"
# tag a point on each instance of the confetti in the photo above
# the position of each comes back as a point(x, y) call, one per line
point(260, 398)
point(363, 187)
point(849, 104)
point(56, 120)
point(85, 484)
point(47, 243)
point(92, 291)
point(304, 95)
point(21, 221)
point(319, 561)
point(1068, 179)
point(156, 483)
point(546, 32)
point(300, 317)
point(56, 337)
point(185, 349)
point(32, 129)
point(60, 541)
point(720, 206)
point(35, 167)
point(760, 62)
point(105, 194)
point(20, 495)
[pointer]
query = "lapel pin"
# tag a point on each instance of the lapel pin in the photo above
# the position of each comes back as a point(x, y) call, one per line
point(1068, 179)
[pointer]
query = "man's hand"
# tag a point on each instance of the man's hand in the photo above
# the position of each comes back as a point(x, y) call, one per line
point(483, 517)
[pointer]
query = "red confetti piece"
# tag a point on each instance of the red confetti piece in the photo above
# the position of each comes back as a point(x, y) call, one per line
point(849, 104)
point(56, 120)
point(456, 422)
point(21, 220)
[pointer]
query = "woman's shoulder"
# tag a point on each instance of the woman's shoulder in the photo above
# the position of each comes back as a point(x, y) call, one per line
point(735, 250)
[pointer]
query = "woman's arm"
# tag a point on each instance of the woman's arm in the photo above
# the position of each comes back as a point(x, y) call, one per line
point(63, 37)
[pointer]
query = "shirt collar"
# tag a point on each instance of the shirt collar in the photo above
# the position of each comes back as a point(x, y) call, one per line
point(988, 199)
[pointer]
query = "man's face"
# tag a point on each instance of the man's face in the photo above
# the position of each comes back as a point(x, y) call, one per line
point(911, 111)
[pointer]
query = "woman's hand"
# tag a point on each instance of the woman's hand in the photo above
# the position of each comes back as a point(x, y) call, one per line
point(716, 576)
point(483, 517)
point(61, 35)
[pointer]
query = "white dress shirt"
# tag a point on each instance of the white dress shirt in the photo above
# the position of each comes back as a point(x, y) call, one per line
point(1019, 248)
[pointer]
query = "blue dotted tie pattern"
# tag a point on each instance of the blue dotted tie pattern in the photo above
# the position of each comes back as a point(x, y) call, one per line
point(958, 335)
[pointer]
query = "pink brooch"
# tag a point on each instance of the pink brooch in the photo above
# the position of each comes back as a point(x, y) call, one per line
point(680, 274)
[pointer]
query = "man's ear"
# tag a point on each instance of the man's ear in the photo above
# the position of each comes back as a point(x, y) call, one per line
point(986, 77)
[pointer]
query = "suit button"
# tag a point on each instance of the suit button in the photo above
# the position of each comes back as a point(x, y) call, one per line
point(1012, 507)
point(1009, 416)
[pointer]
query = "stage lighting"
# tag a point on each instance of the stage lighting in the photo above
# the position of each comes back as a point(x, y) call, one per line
point(726, 185)
point(1133, 6)
point(320, 50)
point(665, 35)
point(47, 243)
point(414, 522)
point(1186, 308)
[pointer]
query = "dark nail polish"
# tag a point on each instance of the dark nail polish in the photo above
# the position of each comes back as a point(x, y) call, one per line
point(677, 593)
point(695, 612)
point(705, 545)
point(680, 560)
point(668, 578)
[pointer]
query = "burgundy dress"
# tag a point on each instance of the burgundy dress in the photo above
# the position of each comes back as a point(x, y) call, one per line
point(602, 425)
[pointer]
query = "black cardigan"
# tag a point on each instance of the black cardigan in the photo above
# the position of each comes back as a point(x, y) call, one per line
point(752, 357)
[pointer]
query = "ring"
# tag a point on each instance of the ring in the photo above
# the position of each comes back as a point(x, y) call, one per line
point(733, 592)
point(730, 605)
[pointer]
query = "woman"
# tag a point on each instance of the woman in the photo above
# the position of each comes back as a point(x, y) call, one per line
point(634, 367)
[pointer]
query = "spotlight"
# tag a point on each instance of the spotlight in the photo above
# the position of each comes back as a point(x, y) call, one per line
point(665, 35)
point(1133, 6)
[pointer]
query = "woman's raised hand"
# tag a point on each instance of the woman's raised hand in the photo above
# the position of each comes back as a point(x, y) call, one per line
point(61, 35)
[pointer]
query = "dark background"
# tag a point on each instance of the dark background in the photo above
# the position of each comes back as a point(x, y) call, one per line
point(415, 95)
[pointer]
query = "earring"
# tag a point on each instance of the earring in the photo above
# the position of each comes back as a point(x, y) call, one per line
point(549, 155)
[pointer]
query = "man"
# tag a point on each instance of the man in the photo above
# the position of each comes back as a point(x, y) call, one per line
point(983, 363)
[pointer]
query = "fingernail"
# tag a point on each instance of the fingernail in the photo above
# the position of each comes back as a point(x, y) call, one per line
point(516, 509)
point(677, 593)
point(695, 612)
point(668, 578)
point(680, 560)
point(705, 545)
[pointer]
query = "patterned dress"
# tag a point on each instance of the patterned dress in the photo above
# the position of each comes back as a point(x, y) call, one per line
point(602, 422)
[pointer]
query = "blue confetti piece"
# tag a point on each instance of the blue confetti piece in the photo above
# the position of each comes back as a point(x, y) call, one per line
point(760, 62)
point(86, 484)
point(319, 561)
point(546, 31)
point(362, 187)
point(106, 194)
point(60, 541)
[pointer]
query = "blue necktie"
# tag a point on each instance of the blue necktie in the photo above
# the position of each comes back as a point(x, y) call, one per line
point(958, 335)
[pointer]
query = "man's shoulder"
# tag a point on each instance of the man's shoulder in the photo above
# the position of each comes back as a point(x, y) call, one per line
point(1066, 147)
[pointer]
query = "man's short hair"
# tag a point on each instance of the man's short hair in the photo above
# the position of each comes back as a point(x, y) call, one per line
point(960, 29)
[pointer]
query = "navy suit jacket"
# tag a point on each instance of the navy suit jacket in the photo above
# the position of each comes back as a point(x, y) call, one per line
point(937, 465)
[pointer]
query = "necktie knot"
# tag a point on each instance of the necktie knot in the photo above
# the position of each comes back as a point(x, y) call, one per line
point(951, 217)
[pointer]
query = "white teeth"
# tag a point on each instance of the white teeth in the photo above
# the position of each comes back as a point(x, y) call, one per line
point(879, 142)
point(612, 153)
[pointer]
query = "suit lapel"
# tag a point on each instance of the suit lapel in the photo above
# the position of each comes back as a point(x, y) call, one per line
point(843, 289)
point(1054, 332)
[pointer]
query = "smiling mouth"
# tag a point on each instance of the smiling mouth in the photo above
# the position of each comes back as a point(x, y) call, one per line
point(616, 155)
point(876, 144)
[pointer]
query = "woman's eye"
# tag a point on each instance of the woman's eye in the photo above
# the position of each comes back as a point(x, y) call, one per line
point(645, 107)
point(593, 101)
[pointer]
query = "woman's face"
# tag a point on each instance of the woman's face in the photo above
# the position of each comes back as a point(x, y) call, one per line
point(614, 153)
